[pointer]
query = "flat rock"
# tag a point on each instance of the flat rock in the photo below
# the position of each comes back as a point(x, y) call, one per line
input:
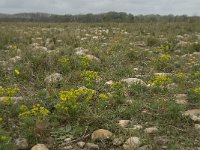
point(101, 134)
point(197, 127)
point(161, 140)
point(146, 147)
point(92, 57)
point(21, 143)
point(131, 81)
point(124, 123)
point(53, 78)
point(39, 147)
point(118, 141)
point(151, 130)
point(194, 114)
point(91, 146)
point(81, 144)
point(132, 143)
point(15, 59)
point(181, 99)
point(109, 82)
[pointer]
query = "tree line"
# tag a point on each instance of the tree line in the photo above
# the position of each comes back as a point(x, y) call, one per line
point(96, 18)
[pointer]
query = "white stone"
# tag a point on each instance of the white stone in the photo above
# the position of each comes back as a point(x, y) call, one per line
point(81, 144)
point(151, 130)
point(194, 114)
point(39, 147)
point(131, 81)
point(123, 123)
point(132, 143)
point(101, 134)
point(53, 78)
point(21, 143)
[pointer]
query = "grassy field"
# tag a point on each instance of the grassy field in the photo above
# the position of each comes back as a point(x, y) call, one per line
point(54, 84)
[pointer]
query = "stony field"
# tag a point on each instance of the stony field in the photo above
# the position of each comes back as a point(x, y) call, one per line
point(100, 86)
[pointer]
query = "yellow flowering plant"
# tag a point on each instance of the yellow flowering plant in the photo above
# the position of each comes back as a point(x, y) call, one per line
point(8, 91)
point(64, 64)
point(90, 77)
point(84, 62)
point(37, 111)
point(160, 81)
point(194, 95)
point(74, 100)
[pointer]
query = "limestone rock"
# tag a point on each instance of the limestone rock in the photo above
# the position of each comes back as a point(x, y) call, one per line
point(132, 143)
point(101, 134)
point(131, 81)
point(194, 114)
point(81, 144)
point(146, 147)
point(197, 127)
point(81, 51)
point(92, 57)
point(181, 99)
point(21, 143)
point(39, 147)
point(151, 130)
point(124, 123)
point(91, 146)
point(161, 140)
point(118, 141)
point(15, 59)
point(53, 78)
point(109, 82)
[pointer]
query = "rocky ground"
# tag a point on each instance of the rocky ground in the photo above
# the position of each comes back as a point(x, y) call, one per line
point(99, 86)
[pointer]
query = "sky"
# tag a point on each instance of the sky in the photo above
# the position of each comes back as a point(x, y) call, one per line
point(162, 7)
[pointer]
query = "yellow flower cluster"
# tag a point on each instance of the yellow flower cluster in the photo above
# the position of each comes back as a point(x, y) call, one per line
point(164, 58)
point(180, 75)
point(197, 90)
point(89, 77)
point(160, 80)
point(37, 111)
point(72, 99)
point(85, 62)
point(17, 72)
point(64, 60)
point(103, 96)
point(8, 91)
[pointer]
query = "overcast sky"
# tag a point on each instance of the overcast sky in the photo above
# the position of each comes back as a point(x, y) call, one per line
point(163, 7)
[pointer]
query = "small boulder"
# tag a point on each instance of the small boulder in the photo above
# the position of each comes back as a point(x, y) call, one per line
point(92, 57)
point(53, 78)
point(132, 143)
point(124, 123)
point(21, 143)
point(39, 147)
point(101, 134)
point(118, 141)
point(161, 140)
point(181, 99)
point(194, 114)
point(131, 81)
point(81, 144)
point(151, 130)
point(109, 82)
point(146, 147)
point(15, 59)
point(197, 127)
point(91, 146)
